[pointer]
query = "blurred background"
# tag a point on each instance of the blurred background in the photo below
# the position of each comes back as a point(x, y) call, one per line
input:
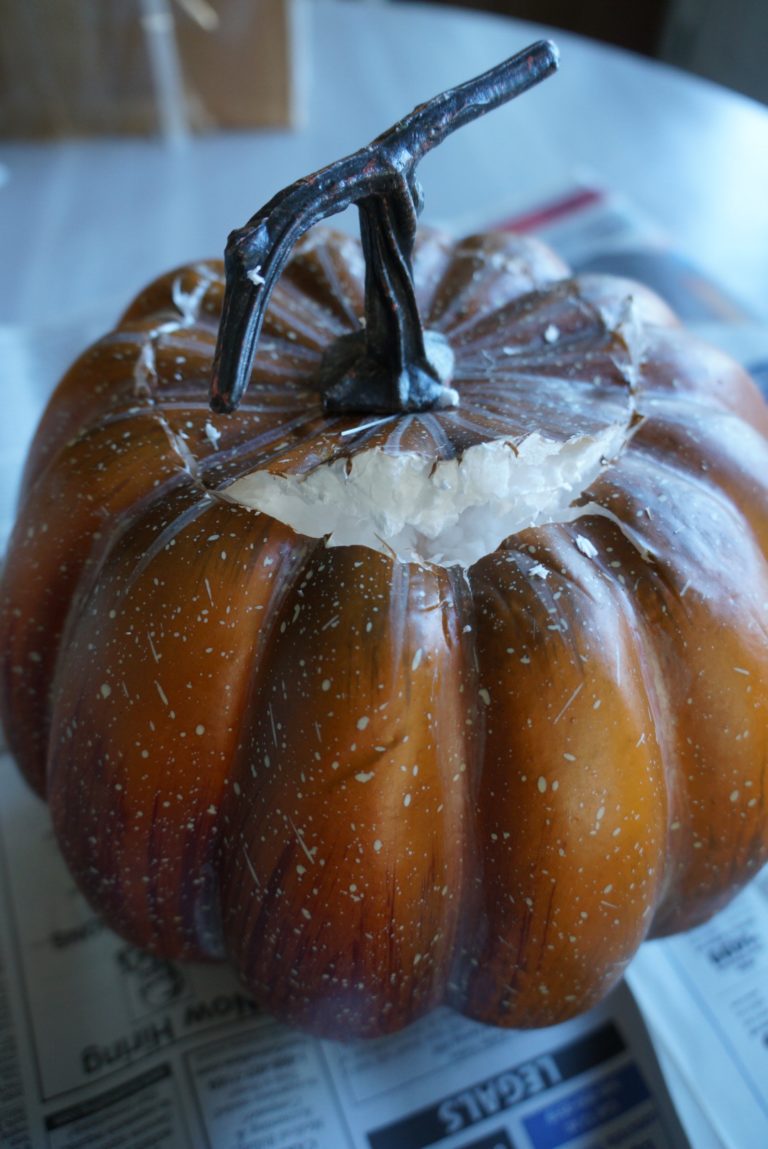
point(727, 43)
point(86, 67)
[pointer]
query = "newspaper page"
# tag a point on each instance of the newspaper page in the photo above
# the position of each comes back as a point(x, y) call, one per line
point(705, 995)
point(104, 1046)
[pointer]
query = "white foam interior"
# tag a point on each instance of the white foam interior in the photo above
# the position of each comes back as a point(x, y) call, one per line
point(449, 513)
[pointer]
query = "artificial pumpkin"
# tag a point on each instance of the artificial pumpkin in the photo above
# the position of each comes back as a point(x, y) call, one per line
point(495, 711)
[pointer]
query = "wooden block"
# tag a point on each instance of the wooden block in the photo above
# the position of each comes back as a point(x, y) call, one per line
point(84, 67)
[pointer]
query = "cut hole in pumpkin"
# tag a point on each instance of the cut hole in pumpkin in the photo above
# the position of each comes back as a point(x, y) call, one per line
point(450, 513)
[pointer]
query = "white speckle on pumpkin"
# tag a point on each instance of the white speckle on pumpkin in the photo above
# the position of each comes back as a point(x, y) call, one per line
point(363, 722)
point(416, 662)
point(572, 698)
point(586, 547)
point(542, 784)
point(364, 776)
point(105, 690)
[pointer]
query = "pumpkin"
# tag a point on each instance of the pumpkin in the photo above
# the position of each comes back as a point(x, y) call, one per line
point(437, 671)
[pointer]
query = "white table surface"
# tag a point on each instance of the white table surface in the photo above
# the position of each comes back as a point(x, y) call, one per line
point(84, 224)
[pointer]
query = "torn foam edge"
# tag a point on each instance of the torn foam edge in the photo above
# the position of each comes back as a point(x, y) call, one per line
point(451, 513)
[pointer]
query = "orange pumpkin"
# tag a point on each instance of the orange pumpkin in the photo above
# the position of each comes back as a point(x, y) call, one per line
point(459, 751)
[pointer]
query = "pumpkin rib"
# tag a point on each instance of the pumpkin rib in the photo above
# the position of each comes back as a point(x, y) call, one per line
point(687, 370)
point(288, 320)
point(518, 264)
point(80, 398)
point(294, 839)
point(52, 596)
point(433, 253)
point(141, 685)
point(537, 934)
point(534, 310)
point(688, 474)
point(167, 295)
point(673, 584)
point(326, 267)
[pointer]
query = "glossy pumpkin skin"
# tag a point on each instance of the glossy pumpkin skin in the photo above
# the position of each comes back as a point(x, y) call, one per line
point(379, 786)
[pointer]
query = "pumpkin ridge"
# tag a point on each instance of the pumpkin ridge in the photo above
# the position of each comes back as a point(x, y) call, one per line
point(397, 874)
point(257, 453)
point(526, 847)
point(662, 712)
point(297, 315)
point(537, 308)
point(83, 573)
point(681, 471)
point(315, 259)
point(680, 602)
point(166, 294)
point(144, 633)
point(524, 262)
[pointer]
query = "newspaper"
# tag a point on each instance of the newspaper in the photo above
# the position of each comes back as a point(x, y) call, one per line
point(705, 995)
point(104, 1046)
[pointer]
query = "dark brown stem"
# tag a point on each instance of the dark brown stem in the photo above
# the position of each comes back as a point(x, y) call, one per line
point(391, 364)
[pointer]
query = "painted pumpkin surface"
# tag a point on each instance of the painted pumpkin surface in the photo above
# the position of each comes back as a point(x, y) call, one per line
point(395, 709)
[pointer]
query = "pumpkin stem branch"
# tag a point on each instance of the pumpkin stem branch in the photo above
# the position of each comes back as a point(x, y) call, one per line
point(391, 364)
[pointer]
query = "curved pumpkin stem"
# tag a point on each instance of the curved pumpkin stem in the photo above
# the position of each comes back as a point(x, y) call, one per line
point(391, 365)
